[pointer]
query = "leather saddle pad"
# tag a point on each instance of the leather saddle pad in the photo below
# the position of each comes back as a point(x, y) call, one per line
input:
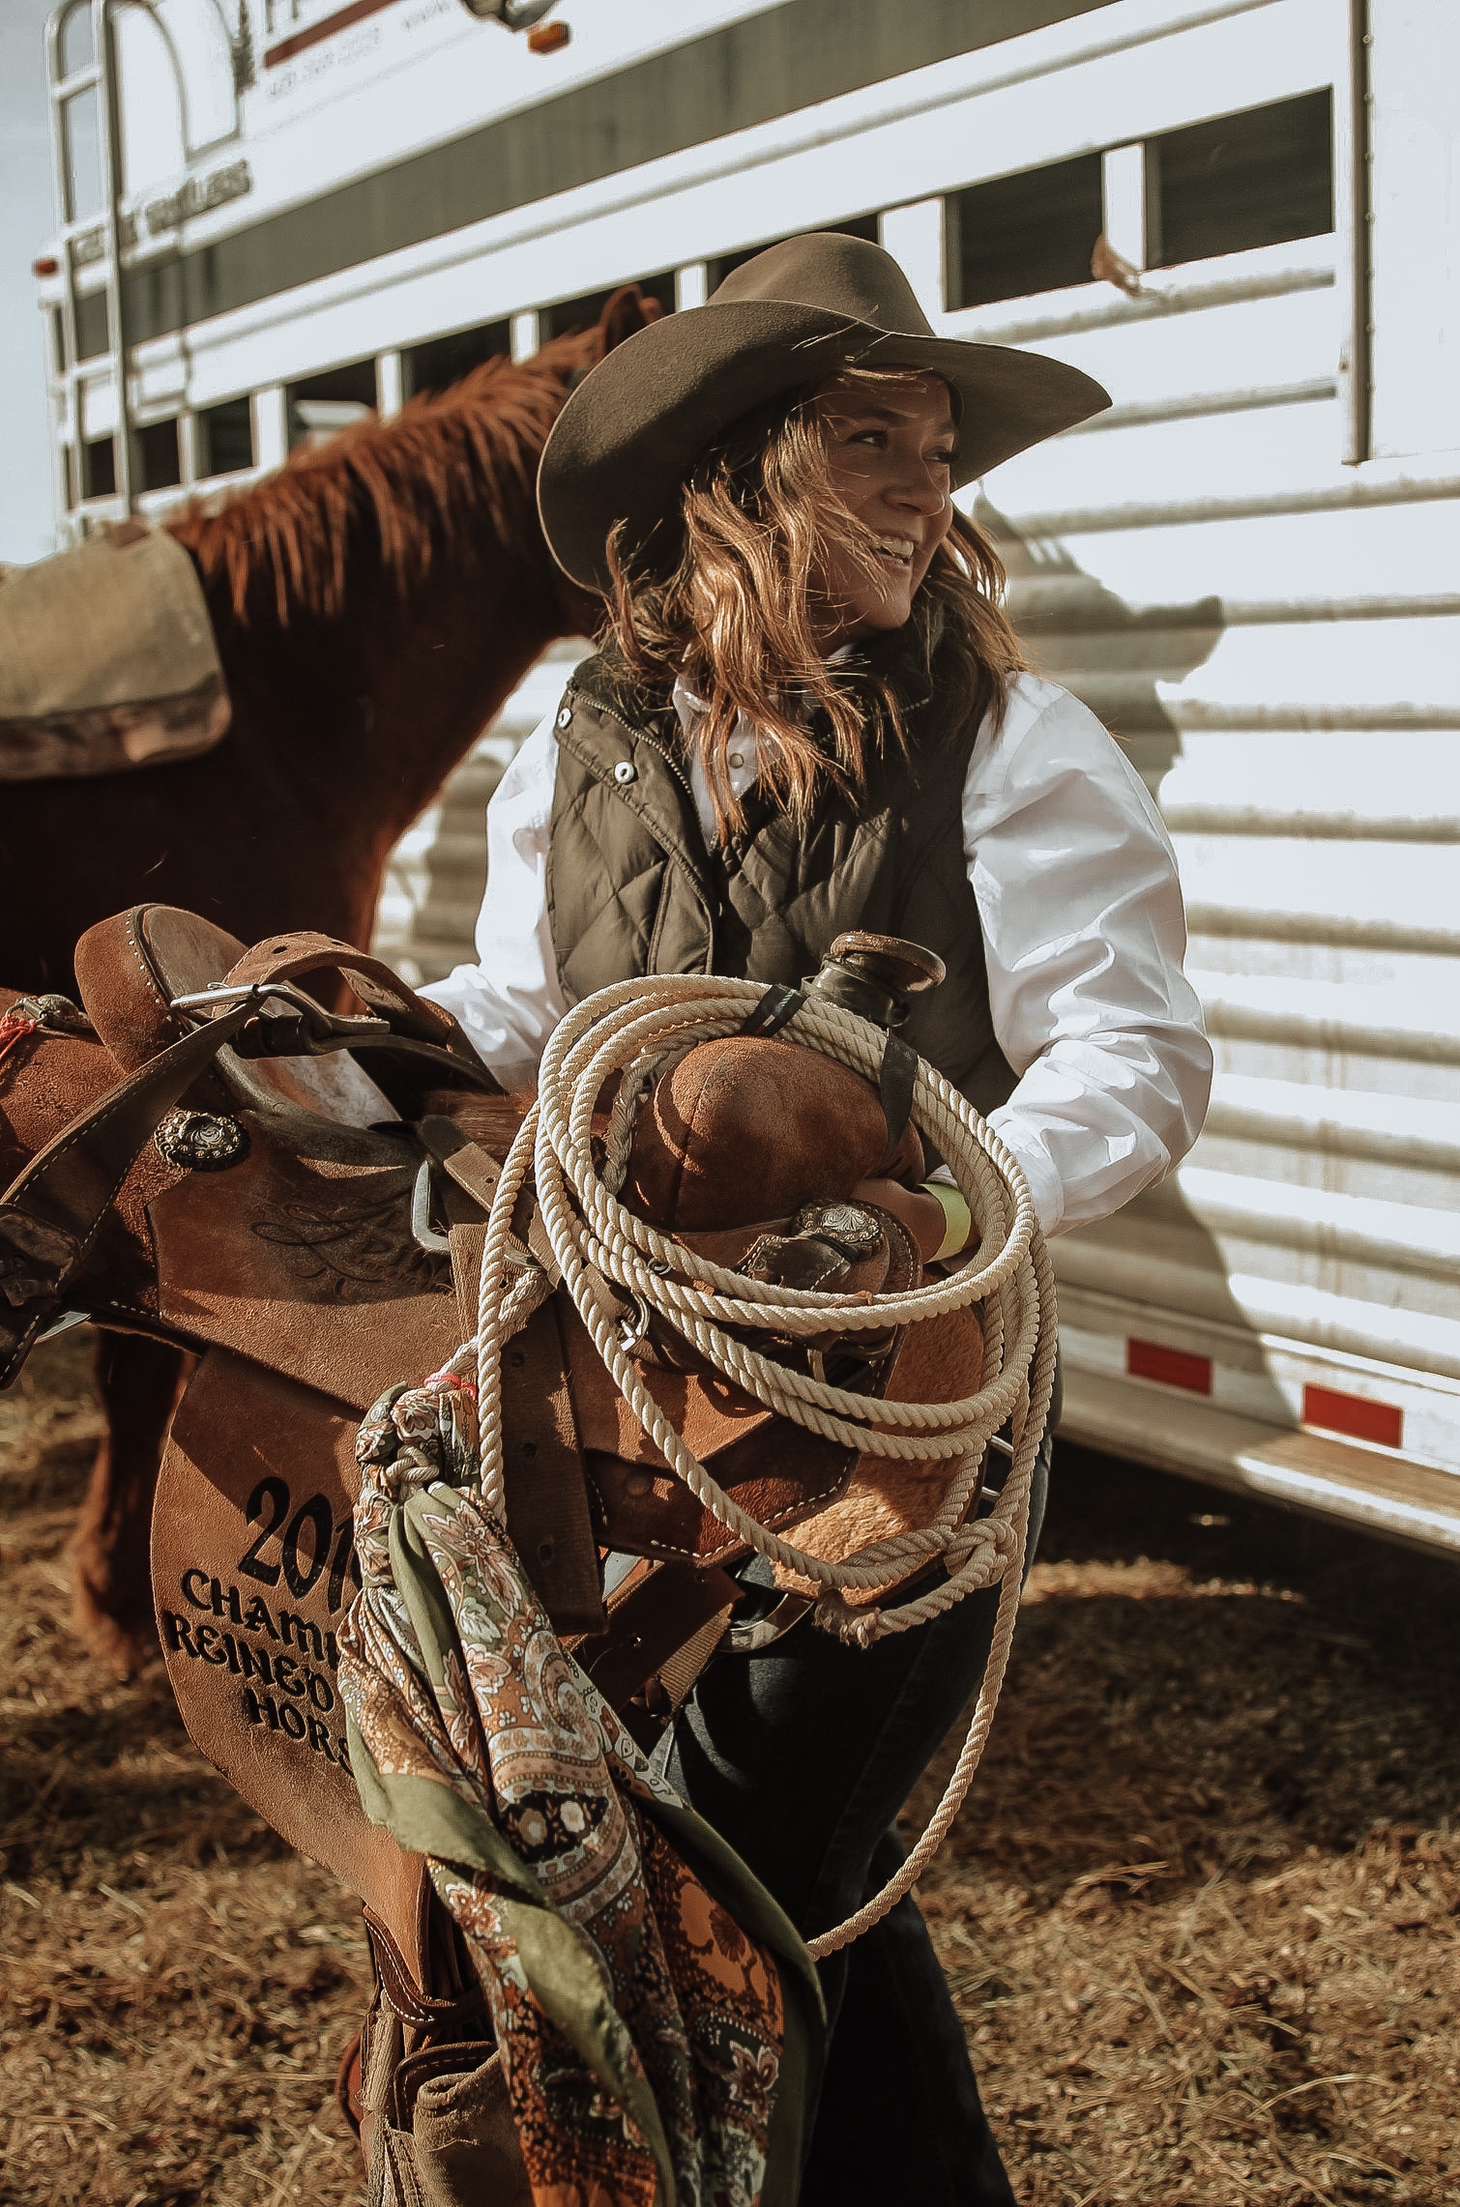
point(107, 660)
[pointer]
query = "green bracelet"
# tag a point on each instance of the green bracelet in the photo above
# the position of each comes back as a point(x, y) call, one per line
point(957, 1217)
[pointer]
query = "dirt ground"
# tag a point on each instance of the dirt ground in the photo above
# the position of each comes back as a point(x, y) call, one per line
point(1199, 1915)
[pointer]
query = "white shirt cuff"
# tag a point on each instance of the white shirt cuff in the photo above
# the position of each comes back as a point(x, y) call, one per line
point(1033, 1160)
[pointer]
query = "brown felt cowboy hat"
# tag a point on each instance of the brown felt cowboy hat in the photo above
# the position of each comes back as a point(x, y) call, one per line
point(794, 315)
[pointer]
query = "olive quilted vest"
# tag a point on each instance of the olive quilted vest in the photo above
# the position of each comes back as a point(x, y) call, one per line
point(633, 889)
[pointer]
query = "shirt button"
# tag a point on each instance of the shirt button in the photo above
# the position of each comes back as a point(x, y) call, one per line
point(565, 716)
point(625, 771)
point(737, 758)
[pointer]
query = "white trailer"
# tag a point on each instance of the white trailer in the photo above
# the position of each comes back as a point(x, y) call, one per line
point(1242, 215)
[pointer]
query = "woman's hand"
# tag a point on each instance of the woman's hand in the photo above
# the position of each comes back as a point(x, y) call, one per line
point(922, 1214)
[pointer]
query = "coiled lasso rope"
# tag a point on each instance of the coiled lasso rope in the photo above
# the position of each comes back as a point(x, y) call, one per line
point(634, 1030)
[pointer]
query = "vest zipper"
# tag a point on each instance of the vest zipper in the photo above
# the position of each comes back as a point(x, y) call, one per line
point(662, 750)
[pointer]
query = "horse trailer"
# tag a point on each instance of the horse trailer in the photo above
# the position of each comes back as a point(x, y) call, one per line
point(1243, 216)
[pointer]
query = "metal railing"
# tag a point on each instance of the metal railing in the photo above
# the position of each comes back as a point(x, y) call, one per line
point(95, 80)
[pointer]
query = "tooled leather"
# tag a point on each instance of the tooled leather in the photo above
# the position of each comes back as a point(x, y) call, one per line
point(320, 1224)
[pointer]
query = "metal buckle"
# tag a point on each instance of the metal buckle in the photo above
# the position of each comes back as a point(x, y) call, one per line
point(322, 1029)
point(423, 1233)
point(633, 1326)
point(762, 1632)
point(220, 995)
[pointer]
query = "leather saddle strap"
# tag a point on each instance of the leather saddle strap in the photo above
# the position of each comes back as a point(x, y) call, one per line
point(52, 1211)
point(293, 957)
point(661, 1633)
point(408, 1026)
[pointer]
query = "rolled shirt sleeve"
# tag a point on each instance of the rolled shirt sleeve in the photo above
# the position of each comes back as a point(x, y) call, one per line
point(508, 1002)
point(1084, 932)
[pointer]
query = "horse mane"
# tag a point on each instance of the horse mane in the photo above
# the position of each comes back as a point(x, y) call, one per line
point(447, 466)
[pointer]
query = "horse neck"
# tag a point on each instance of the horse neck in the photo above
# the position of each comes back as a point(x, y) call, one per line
point(378, 600)
point(373, 700)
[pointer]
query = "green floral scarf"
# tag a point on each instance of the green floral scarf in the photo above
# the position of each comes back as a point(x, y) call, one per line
point(659, 2020)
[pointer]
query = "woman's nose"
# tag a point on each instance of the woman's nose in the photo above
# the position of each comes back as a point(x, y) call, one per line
point(921, 488)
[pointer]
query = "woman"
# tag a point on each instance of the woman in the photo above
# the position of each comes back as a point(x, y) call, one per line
point(809, 713)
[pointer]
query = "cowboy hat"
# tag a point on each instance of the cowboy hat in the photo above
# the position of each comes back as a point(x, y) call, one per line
point(793, 316)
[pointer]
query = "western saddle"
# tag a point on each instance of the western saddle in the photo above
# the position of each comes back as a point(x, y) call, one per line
point(308, 1192)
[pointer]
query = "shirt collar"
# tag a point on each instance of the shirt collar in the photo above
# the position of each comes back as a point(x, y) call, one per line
point(691, 707)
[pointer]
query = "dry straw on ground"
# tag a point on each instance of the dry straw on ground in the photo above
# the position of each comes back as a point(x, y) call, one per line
point(1200, 1915)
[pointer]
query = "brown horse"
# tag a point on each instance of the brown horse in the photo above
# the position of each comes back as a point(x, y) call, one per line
point(374, 604)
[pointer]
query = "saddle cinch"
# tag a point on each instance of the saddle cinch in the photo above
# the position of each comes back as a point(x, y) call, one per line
point(316, 1234)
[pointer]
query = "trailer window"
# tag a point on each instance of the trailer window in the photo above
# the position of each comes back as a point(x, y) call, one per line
point(1016, 235)
point(442, 361)
point(855, 226)
point(320, 406)
point(159, 465)
point(1258, 178)
point(225, 438)
point(98, 468)
point(93, 325)
point(578, 314)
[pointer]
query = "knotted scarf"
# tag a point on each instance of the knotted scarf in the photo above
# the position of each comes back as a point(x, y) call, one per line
point(658, 2018)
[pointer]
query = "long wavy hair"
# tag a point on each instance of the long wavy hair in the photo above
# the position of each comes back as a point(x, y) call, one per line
point(731, 610)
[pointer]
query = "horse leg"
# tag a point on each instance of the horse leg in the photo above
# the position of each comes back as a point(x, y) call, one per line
point(138, 1383)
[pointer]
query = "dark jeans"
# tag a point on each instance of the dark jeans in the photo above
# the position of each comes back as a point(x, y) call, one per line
point(802, 1757)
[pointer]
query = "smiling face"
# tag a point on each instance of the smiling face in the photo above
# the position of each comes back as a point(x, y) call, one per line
point(891, 445)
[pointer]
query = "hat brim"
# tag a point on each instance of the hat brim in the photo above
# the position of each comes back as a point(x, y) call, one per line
point(631, 433)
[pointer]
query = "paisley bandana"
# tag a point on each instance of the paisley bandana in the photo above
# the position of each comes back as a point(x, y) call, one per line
point(658, 2019)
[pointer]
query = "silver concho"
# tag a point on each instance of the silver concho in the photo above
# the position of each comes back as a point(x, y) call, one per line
point(847, 1226)
point(57, 1013)
point(204, 1141)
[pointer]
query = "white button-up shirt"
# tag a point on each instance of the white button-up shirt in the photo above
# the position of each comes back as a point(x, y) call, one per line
point(1083, 929)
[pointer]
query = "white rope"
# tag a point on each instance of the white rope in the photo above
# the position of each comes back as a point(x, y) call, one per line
point(632, 1032)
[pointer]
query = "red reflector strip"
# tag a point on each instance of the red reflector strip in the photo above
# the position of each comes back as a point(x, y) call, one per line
point(1355, 1415)
point(1171, 1367)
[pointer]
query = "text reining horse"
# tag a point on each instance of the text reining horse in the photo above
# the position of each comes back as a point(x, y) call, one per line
point(374, 605)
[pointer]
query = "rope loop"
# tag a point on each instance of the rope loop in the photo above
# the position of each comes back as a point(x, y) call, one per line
point(631, 1033)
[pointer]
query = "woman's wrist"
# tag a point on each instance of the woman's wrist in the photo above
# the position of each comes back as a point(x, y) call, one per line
point(957, 1218)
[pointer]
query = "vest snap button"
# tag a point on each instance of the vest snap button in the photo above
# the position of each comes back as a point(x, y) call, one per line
point(565, 716)
point(625, 771)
